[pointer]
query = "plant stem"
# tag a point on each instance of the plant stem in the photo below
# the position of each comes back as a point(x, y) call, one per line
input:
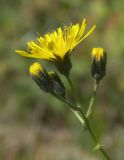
point(85, 118)
point(85, 121)
point(73, 108)
point(65, 101)
point(98, 145)
point(90, 108)
point(74, 91)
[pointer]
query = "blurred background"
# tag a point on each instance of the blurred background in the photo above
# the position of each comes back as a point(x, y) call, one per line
point(36, 126)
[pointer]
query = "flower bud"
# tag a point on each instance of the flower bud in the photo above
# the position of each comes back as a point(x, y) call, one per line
point(58, 87)
point(41, 77)
point(99, 58)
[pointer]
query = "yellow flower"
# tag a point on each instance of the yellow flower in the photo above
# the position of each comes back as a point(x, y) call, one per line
point(56, 44)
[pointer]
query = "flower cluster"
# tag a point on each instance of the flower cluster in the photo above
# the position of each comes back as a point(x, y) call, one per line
point(57, 47)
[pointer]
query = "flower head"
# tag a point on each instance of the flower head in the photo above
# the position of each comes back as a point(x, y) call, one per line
point(57, 45)
point(98, 63)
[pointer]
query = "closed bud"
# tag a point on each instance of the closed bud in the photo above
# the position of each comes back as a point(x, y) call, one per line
point(99, 58)
point(41, 77)
point(58, 87)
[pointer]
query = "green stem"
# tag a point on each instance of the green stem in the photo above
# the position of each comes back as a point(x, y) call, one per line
point(77, 101)
point(74, 91)
point(79, 117)
point(98, 145)
point(90, 108)
point(86, 121)
point(65, 101)
point(83, 120)
point(73, 108)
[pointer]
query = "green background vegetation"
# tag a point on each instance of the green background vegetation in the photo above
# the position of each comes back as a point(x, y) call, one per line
point(36, 126)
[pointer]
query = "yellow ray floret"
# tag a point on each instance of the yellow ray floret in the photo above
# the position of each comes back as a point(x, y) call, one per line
point(35, 68)
point(57, 43)
point(98, 53)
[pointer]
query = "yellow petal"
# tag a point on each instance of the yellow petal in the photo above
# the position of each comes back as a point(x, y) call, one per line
point(86, 35)
point(82, 29)
point(25, 54)
point(34, 55)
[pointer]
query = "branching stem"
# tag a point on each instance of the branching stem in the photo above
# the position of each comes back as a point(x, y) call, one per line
point(81, 114)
